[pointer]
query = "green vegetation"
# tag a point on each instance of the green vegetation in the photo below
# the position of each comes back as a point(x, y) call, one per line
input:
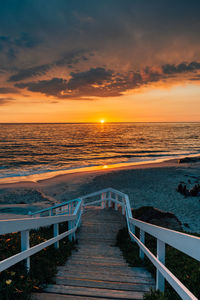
point(185, 268)
point(154, 295)
point(15, 282)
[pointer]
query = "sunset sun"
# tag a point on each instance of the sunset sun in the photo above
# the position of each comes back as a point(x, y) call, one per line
point(102, 121)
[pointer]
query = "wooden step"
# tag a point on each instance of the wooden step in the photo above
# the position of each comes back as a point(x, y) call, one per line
point(101, 270)
point(115, 285)
point(97, 262)
point(104, 272)
point(48, 296)
point(93, 292)
point(82, 255)
point(105, 276)
point(97, 248)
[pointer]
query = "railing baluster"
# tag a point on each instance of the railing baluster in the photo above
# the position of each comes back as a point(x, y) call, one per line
point(55, 233)
point(142, 239)
point(117, 198)
point(70, 227)
point(74, 234)
point(80, 211)
point(132, 228)
point(123, 210)
point(109, 199)
point(103, 200)
point(25, 246)
point(160, 280)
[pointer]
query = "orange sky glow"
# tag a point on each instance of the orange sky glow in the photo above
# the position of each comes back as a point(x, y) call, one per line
point(132, 61)
point(173, 104)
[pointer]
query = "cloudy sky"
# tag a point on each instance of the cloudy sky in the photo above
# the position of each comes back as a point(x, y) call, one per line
point(81, 61)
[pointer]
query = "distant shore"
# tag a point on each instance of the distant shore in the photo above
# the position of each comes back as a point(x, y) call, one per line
point(151, 184)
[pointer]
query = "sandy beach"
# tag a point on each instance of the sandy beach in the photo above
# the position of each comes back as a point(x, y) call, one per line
point(152, 184)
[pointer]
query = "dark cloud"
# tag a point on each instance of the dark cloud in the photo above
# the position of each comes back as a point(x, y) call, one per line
point(40, 39)
point(11, 46)
point(69, 59)
point(52, 87)
point(30, 72)
point(93, 76)
point(181, 68)
point(81, 84)
point(72, 57)
point(131, 32)
point(100, 82)
point(8, 90)
point(23, 40)
point(26, 41)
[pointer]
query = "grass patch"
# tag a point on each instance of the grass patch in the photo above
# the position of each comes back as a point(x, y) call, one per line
point(185, 268)
point(15, 282)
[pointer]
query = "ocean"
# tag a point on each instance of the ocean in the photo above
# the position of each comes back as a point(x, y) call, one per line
point(27, 149)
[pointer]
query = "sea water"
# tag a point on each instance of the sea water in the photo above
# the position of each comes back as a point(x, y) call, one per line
point(27, 149)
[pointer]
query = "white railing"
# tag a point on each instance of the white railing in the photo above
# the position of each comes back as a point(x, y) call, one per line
point(71, 212)
point(72, 215)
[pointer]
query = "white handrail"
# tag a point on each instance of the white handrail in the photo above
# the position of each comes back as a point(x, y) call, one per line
point(25, 225)
point(54, 206)
point(186, 243)
point(16, 225)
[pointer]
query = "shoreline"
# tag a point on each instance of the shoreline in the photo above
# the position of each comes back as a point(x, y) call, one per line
point(38, 177)
point(45, 178)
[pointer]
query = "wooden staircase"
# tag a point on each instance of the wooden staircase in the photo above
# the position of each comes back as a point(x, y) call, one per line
point(97, 270)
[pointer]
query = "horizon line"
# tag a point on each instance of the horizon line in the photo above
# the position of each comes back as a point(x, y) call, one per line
point(97, 122)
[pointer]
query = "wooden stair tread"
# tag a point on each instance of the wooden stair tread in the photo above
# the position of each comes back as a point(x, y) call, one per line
point(114, 285)
point(53, 296)
point(88, 291)
point(100, 269)
point(105, 276)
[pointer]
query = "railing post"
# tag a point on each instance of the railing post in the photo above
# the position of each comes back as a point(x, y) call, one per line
point(103, 200)
point(70, 223)
point(115, 204)
point(160, 280)
point(70, 208)
point(70, 227)
point(109, 199)
point(25, 246)
point(123, 206)
point(80, 212)
point(132, 228)
point(142, 239)
point(55, 233)
point(74, 234)
point(123, 210)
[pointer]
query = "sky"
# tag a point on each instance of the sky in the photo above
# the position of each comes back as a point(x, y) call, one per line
point(87, 60)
